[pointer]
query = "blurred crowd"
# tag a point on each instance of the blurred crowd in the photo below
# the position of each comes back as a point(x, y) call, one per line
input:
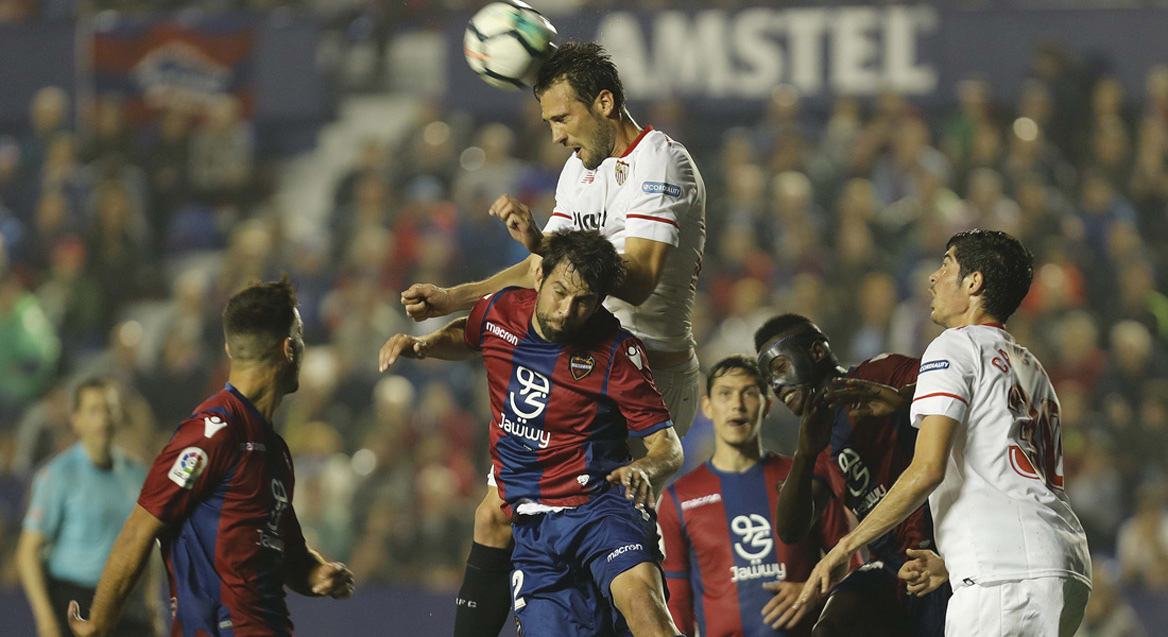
point(119, 246)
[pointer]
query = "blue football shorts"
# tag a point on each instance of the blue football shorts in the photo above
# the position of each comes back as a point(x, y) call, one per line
point(564, 564)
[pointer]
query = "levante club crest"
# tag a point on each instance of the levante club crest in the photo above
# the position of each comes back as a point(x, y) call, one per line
point(581, 365)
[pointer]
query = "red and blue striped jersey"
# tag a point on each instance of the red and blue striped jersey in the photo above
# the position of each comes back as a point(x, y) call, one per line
point(720, 548)
point(561, 413)
point(223, 486)
point(867, 455)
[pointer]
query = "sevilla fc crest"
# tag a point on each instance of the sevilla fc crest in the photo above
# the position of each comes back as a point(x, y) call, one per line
point(581, 365)
point(622, 173)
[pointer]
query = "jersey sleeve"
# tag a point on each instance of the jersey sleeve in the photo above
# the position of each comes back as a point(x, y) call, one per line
point(825, 469)
point(476, 321)
point(631, 386)
point(190, 468)
point(666, 188)
point(45, 505)
point(946, 378)
point(675, 545)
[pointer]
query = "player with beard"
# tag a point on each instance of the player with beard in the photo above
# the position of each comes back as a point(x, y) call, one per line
point(218, 499)
point(642, 191)
point(856, 420)
point(568, 387)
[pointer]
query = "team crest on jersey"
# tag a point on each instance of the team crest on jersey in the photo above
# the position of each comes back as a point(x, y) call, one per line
point(581, 365)
point(622, 173)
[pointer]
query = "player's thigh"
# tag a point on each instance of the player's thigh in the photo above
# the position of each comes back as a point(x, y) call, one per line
point(492, 527)
point(548, 596)
point(642, 583)
point(1028, 608)
point(681, 388)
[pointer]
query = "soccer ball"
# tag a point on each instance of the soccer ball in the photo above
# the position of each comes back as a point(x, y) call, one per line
point(506, 42)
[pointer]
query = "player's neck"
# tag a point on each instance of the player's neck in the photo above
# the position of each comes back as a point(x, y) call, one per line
point(627, 132)
point(100, 455)
point(975, 315)
point(736, 459)
point(258, 385)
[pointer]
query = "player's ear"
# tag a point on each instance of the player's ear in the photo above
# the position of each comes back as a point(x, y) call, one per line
point(766, 404)
point(818, 351)
point(227, 348)
point(604, 103)
point(288, 349)
point(706, 411)
point(974, 283)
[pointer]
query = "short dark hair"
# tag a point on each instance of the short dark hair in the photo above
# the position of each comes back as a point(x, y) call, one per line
point(778, 325)
point(588, 70)
point(593, 257)
point(1006, 267)
point(258, 318)
point(739, 362)
point(86, 384)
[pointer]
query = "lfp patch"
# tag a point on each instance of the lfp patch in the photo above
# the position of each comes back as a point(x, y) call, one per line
point(581, 365)
point(188, 467)
point(933, 366)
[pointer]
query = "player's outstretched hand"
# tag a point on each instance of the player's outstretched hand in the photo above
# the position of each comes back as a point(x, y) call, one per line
point(80, 627)
point(400, 345)
point(830, 571)
point(333, 579)
point(865, 398)
point(924, 572)
point(519, 221)
point(815, 427)
point(636, 483)
point(423, 301)
point(780, 612)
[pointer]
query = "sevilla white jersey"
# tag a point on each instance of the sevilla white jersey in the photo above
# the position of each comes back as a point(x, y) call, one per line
point(1001, 513)
point(654, 191)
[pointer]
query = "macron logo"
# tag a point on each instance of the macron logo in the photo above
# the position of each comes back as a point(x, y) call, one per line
point(212, 425)
point(503, 334)
point(697, 502)
point(624, 549)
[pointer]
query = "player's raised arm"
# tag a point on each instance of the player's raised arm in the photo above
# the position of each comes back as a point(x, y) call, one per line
point(644, 262)
point(802, 498)
point(519, 221)
point(447, 343)
point(124, 566)
point(424, 300)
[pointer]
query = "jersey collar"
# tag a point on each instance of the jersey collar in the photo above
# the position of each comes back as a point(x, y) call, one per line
point(644, 131)
point(246, 402)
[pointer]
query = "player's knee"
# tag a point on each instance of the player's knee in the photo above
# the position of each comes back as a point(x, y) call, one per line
point(491, 526)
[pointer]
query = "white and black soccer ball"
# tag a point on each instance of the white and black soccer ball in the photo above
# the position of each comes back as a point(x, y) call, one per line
point(506, 42)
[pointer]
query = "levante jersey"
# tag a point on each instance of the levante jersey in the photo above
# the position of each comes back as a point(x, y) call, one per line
point(720, 548)
point(867, 455)
point(223, 485)
point(561, 413)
